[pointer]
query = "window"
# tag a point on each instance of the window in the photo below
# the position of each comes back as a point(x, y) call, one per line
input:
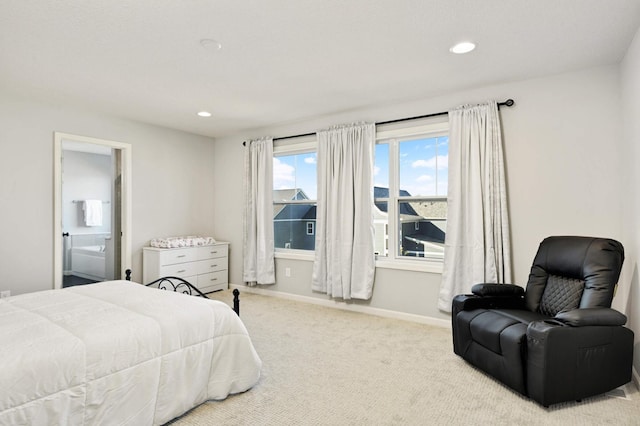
point(410, 191)
point(294, 199)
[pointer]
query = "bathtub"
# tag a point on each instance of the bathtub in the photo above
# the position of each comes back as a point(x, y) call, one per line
point(88, 262)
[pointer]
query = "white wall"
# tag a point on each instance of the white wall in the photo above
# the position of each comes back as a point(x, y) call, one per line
point(85, 176)
point(564, 171)
point(172, 177)
point(571, 161)
point(630, 287)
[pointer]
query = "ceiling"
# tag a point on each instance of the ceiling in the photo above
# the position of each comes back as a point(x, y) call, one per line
point(284, 61)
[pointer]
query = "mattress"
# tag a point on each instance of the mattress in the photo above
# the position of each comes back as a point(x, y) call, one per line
point(118, 353)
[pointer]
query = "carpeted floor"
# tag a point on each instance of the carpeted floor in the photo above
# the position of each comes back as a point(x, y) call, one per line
point(324, 366)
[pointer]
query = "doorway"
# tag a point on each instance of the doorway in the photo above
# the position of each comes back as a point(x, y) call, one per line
point(92, 219)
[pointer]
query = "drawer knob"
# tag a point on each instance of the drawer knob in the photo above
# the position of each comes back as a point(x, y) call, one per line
point(214, 266)
point(182, 255)
point(214, 279)
point(181, 271)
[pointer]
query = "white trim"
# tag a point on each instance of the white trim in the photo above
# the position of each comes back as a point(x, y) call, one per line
point(293, 254)
point(434, 267)
point(421, 319)
point(430, 130)
point(299, 145)
point(125, 149)
point(635, 377)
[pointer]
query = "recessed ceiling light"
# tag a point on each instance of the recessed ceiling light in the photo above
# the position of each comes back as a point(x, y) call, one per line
point(210, 44)
point(464, 47)
point(204, 114)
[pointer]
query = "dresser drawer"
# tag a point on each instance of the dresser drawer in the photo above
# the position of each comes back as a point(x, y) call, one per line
point(211, 265)
point(213, 279)
point(210, 252)
point(179, 270)
point(189, 263)
point(171, 257)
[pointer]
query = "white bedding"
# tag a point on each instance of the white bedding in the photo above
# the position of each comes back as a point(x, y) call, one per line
point(117, 353)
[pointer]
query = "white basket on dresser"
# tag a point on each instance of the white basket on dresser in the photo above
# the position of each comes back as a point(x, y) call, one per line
point(206, 267)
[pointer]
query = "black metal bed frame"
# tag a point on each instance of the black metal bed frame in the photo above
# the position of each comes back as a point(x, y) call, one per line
point(180, 285)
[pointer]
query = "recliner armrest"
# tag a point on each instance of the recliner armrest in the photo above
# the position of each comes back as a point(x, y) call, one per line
point(592, 316)
point(491, 289)
point(468, 302)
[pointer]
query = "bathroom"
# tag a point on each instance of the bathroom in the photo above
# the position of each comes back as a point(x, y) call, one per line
point(88, 202)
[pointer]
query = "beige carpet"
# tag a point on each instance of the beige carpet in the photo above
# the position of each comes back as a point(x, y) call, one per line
point(323, 366)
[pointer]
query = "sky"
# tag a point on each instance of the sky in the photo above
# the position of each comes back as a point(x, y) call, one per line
point(423, 168)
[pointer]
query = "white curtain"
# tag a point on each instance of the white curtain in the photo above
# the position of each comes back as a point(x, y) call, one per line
point(258, 258)
point(477, 246)
point(344, 265)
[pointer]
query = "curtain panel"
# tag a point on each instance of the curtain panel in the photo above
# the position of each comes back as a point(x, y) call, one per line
point(258, 241)
point(344, 265)
point(477, 243)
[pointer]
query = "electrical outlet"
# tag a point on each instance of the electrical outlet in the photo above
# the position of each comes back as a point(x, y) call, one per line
point(5, 293)
point(287, 272)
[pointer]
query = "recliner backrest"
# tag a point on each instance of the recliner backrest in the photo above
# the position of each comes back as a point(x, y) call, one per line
point(573, 272)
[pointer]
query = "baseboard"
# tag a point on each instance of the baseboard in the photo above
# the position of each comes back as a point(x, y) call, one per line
point(636, 377)
point(421, 319)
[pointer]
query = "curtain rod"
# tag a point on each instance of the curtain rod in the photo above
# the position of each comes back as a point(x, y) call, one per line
point(508, 102)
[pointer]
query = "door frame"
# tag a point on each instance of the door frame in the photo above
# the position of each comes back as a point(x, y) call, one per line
point(125, 213)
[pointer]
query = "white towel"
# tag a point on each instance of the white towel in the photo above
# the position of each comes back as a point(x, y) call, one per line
point(92, 212)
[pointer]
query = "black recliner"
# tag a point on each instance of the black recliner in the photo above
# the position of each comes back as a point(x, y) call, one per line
point(559, 340)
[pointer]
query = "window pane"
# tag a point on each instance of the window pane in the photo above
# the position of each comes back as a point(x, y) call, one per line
point(294, 177)
point(381, 228)
point(422, 228)
point(381, 196)
point(381, 166)
point(443, 165)
point(424, 166)
point(291, 226)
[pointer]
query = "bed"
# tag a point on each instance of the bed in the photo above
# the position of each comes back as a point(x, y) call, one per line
point(117, 352)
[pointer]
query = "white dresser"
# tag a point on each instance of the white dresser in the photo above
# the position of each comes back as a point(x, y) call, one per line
point(206, 267)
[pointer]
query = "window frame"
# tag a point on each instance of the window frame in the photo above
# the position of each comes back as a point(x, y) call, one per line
point(293, 146)
point(394, 137)
point(438, 126)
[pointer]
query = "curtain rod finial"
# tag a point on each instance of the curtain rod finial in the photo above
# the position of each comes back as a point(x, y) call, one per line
point(509, 102)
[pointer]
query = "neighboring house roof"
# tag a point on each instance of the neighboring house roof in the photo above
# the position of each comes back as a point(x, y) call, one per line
point(408, 211)
point(432, 209)
point(311, 213)
point(405, 208)
point(381, 192)
point(296, 212)
point(287, 194)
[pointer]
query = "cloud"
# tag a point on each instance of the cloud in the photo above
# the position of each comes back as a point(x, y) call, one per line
point(440, 160)
point(424, 178)
point(310, 160)
point(376, 170)
point(427, 188)
point(283, 175)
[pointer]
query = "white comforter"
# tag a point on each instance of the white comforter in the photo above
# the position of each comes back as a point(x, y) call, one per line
point(117, 353)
